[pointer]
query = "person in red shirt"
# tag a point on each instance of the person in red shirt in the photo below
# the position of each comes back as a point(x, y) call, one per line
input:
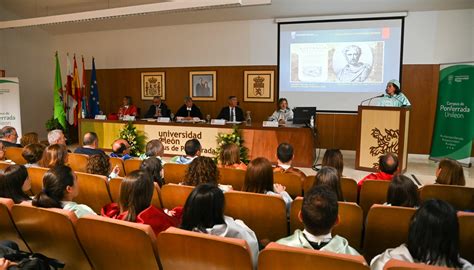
point(127, 108)
point(388, 165)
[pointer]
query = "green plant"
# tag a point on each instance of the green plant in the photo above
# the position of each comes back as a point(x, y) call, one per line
point(53, 124)
point(236, 138)
point(135, 138)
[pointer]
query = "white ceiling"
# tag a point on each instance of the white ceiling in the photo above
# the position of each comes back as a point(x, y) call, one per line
point(278, 9)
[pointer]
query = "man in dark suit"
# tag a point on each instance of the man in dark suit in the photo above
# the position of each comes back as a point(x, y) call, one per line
point(189, 110)
point(158, 109)
point(232, 112)
point(9, 137)
point(90, 145)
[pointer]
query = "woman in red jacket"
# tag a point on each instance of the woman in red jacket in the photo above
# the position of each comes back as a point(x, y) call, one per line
point(136, 192)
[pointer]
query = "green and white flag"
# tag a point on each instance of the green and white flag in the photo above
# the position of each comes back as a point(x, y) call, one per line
point(454, 123)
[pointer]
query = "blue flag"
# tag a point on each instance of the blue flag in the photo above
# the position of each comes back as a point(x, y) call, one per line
point(94, 107)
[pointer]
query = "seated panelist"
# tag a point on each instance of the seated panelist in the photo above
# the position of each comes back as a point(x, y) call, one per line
point(232, 112)
point(283, 113)
point(158, 109)
point(189, 110)
point(127, 108)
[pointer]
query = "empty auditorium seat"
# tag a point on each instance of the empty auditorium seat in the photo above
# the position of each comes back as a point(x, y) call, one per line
point(114, 187)
point(387, 227)
point(462, 198)
point(77, 162)
point(292, 182)
point(8, 230)
point(181, 249)
point(264, 214)
point(233, 177)
point(93, 191)
point(402, 265)
point(14, 154)
point(276, 257)
point(174, 173)
point(116, 244)
point(173, 195)
point(466, 235)
point(373, 192)
point(51, 232)
point(4, 165)
point(131, 165)
point(115, 161)
point(36, 176)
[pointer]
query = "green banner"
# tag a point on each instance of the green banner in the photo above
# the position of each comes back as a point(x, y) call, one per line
point(454, 123)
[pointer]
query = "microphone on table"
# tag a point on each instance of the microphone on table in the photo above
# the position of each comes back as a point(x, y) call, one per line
point(370, 99)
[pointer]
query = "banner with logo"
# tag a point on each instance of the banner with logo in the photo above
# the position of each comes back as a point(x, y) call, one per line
point(10, 104)
point(454, 123)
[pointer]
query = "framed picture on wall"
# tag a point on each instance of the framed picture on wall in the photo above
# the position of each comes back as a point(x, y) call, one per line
point(153, 84)
point(202, 85)
point(259, 86)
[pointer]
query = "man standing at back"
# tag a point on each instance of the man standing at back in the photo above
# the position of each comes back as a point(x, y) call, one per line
point(90, 143)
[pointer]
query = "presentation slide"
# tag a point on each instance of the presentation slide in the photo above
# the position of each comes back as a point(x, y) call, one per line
point(335, 65)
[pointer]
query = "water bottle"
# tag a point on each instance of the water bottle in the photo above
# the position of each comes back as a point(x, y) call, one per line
point(311, 121)
point(249, 119)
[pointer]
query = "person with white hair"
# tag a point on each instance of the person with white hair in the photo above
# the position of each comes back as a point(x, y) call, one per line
point(56, 136)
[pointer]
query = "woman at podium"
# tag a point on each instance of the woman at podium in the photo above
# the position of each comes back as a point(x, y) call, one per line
point(282, 114)
point(393, 96)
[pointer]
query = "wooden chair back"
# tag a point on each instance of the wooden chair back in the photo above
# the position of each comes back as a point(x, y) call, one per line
point(131, 165)
point(36, 176)
point(78, 162)
point(233, 177)
point(461, 198)
point(115, 161)
point(4, 165)
point(93, 191)
point(174, 173)
point(264, 214)
point(466, 235)
point(280, 257)
point(116, 244)
point(181, 249)
point(373, 192)
point(308, 183)
point(404, 265)
point(114, 187)
point(14, 154)
point(349, 189)
point(292, 182)
point(8, 230)
point(173, 195)
point(387, 227)
point(350, 221)
point(51, 232)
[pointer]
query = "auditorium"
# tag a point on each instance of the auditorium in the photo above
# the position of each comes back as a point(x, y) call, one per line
point(236, 134)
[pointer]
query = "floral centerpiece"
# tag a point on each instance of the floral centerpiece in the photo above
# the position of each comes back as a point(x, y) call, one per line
point(135, 138)
point(235, 138)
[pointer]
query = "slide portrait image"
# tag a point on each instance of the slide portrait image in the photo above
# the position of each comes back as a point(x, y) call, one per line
point(153, 84)
point(202, 85)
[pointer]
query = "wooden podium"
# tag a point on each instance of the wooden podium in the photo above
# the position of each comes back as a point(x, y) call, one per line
point(382, 130)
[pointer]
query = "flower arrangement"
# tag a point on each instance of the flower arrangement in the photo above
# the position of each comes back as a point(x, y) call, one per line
point(135, 138)
point(235, 138)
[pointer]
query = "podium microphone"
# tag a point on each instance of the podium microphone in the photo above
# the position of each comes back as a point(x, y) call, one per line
point(370, 99)
point(399, 100)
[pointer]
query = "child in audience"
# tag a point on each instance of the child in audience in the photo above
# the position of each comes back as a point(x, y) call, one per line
point(154, 168)
point(32, 153)
point(204, 212)
point(100, 164)
point(59, 189)
point(230, 157)
point(450, 172)
point(329, 176)
point(334, 158)
point(388, 165)
point(433, 238)
point(192, 148)
point(319, 215)
point(285, 157)
point(15, 183)
point(402, 192)
point(136, 192)
point(259, 179)
point(53, 156)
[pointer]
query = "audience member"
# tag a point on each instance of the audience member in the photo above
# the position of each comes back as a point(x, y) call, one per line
point(204, 212)
point(450, 172)
point(158, 109)
point(121, 149)
point(319, 214)
point(53, 156)
point(433, 239)
point(334, 158)
point(189, 110)
point(90, 144)
point(100, 164)
point(232, 112)
point(259, 179)
point(2, 151)
point(203, 170)
point(328, 176)
point(33, 153)
point(15, 183)
point(28, 138)
point(155, 169)
point(9, 137)
point(388, 165)
point(402, 192)
point(154, 148)
point(56, 136)
point(285, 155)
point(136, 192)
point(59, 189)
point(230, 157)
point(192, 148)
point(127, 107)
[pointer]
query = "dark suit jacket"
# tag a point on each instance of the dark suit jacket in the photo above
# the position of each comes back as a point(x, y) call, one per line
point(10, 144)
point(225, 114)
point(195, 112)
point(165, 112)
